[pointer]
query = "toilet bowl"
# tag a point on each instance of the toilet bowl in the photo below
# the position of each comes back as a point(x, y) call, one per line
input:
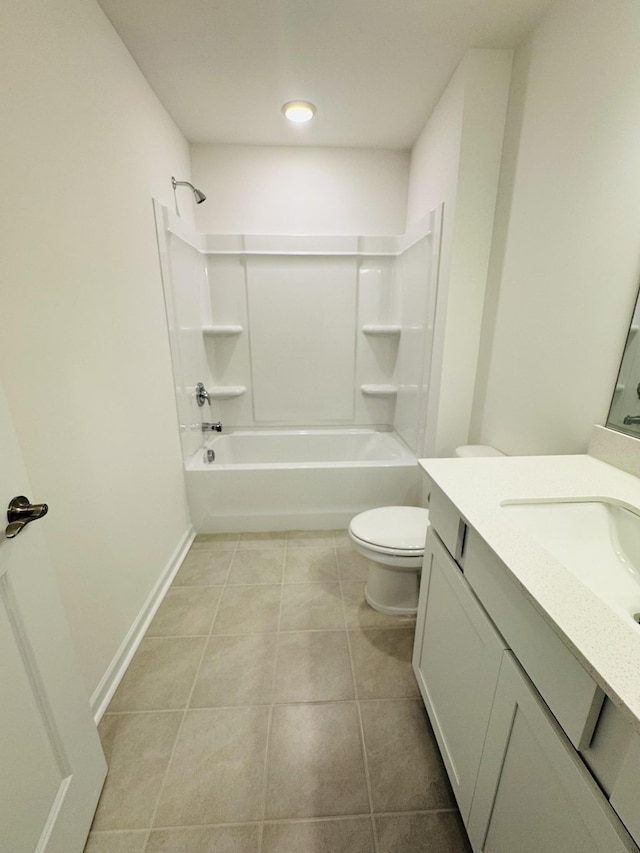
point(392, 539)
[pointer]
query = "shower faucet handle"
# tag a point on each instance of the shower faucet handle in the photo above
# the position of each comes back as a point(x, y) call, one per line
point(202, 395)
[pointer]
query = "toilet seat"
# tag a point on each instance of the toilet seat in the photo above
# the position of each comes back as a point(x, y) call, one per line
point(397, 530)
point(381, 549)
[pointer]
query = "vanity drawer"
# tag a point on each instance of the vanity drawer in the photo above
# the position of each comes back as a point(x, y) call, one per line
point(572, 695)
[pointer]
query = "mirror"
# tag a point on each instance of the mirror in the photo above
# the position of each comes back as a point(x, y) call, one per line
point(624, 413)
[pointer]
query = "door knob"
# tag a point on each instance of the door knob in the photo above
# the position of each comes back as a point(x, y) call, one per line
point(20, 512)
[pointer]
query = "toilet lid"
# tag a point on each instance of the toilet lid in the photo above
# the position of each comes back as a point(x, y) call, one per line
point(401, 527)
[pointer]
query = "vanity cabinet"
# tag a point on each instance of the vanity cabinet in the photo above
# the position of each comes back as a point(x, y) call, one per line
point(457, 657)
point(533, 793)
point(510, 705)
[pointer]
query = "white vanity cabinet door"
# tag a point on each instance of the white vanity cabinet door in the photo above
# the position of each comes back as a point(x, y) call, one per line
point(456, 661)
point(533, 794)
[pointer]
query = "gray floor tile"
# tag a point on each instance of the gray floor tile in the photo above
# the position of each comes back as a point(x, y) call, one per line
point(342, 540)
point(310, 565)
point(137, 748)
point(313, 666)
point(236, 670)
point(217, 770)
point(310, 539)
point(186, 611)
point(439, 832)
point(160, 676)
point(270, 539)
point(209, 839)
point(352, 566)
point(261, 565)
point(248, 610)
point(315, 777)
point(315, 762)
point(405, 768)
point(116, 842)
point(204, 568)
point(382, 663)
point(359, 614)
point(347, 835)
point(215, 542)
point(311, 606)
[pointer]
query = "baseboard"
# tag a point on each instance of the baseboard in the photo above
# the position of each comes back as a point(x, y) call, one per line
point(115, 671)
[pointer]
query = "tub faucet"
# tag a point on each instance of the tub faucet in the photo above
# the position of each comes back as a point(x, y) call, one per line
point(216, 427)
point(631, 419)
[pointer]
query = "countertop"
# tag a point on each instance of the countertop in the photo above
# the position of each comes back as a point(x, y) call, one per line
point(606, 644)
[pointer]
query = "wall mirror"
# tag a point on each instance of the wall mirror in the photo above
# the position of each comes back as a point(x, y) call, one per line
point(624, 413)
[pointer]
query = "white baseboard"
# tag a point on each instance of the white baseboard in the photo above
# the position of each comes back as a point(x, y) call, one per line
point(115, 671)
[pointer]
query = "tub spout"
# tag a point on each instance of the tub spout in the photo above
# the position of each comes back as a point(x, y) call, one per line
point(216, 427)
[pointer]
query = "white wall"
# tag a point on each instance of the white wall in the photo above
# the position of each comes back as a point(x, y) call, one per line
point(566, 258)
point(456, 161)
point(271, 190)
point(84, 356)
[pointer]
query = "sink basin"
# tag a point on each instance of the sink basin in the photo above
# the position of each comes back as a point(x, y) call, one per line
point(596, 540)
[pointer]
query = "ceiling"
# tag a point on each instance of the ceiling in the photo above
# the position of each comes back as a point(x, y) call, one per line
point(374, 68)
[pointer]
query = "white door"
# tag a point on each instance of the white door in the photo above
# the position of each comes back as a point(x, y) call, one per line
point(51, 763)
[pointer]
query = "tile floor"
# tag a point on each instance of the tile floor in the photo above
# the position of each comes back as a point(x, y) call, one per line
point(270, 710)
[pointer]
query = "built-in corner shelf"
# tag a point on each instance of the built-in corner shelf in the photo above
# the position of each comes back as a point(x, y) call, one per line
point(386, 330)
point(226, 331)
point(222, 392)
point(379, 390)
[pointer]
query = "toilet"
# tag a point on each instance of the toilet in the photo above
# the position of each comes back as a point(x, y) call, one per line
point(392, 539)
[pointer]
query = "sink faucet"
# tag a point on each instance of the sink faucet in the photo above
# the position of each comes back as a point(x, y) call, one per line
point(215, 427)
point(631, 419)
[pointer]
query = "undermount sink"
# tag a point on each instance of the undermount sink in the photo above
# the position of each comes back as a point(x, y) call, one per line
point(596, 540)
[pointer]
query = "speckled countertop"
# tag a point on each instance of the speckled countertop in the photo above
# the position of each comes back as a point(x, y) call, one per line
point(606, 643)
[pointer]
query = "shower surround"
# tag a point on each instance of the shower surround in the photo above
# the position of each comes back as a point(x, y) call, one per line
point(301, 342)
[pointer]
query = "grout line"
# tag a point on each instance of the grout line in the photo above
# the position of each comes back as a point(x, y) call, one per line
point(265, 777)
point(184, 714)
point(319, 819)
point(273, 821)
point(367, 775)
point(407, 699)
point(267, 752)
point(166, 771)
point(416, 811)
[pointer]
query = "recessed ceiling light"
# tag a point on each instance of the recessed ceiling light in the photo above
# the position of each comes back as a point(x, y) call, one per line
point(299, 111)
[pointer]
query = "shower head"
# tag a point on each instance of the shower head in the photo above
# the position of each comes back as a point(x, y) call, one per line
point(200, 196)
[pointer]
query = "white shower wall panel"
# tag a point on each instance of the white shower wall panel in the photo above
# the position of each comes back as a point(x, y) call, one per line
point(376, 355)
point(186, 299)
point(302, 317)
point(230, 357)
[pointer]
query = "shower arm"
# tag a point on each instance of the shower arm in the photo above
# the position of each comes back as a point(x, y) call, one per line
point(199, 195)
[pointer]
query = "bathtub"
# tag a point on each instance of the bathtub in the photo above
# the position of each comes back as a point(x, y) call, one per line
point(290, 479)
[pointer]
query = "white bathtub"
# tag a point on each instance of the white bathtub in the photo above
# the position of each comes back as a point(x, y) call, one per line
point(297, 479)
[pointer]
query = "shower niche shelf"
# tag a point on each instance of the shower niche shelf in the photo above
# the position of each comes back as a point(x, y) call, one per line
point(223, 392)
point(379, 390)
point(387, 330)
point(221, 331)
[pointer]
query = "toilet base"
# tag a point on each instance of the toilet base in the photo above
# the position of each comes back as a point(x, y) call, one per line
point(392, 591)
